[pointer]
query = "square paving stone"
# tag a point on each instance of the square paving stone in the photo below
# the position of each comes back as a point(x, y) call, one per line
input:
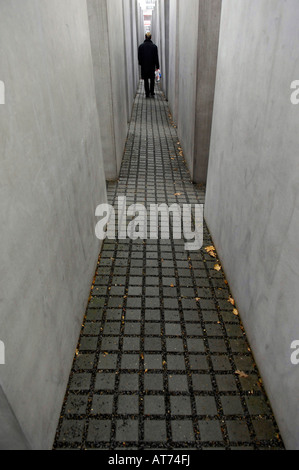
point(130, 362)
point(102, 405)
point(155, 431)
point(178, 383)
point(128, 405)
point(173, 329)
point(194, 329)
point(152, 291)
point(151, 315)
point(217, 345)
point(257, 406)
point(251, 383)
point(131, 344)
point(112, 328)
point(153, 361)
point(171, 304)
point(180, 406)
point(105, 382)
point(129, 382)
point(132, 328)
point(92, 329)
point(154, 405)
point(221, 363)
point(114, 314)
point(238, 345)
point(226, 383)
point(152, 344)
point(153, 382)
point(110, 343)
point(76, 405)
point(232, 405)
point(84, 362)
point(88, 344)
point(264, 430)
point(107, 361)
point(133, 315)
point(191, 317)
point(195, 345)
point(153, 329)
point(133, 302)
point(99, 431)
point(135, 291)
point(176, 363)
point(210, 431)
point(174, 345)
point(244, 363)
point(202, 383)
point(94, 316)
point(171, 316)
point(206, 406)
point(71, 431)
point(189, 304)
point(80, 381)
point(209, 316)
point(182, 431)
point(127, 430)
point(238, 431)
point(214, 329)
point(198, 362)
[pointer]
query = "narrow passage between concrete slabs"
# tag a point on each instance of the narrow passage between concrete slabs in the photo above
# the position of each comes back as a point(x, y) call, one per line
point(162, 361)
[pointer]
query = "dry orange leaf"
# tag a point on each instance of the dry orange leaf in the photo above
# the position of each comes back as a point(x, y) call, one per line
point(217, 267)
point(236, 312)
point(241, 374)
point(231, 301)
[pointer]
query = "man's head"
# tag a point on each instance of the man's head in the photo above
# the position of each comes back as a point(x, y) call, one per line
point(148, 36)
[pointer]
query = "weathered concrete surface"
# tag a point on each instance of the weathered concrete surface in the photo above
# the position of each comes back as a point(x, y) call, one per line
point(252, 203)
point(51, 180)
point(106, 19)
point(174, 62)
point(11, 434)
point(187, 34)
point(208, 42)
point(131, 54)
point(198, 49)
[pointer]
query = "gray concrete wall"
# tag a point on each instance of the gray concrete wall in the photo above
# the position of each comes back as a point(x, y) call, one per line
point(131, 54)
point(135, 45)
point(189, 37)
point(51, 179)
point(174, 62)
point(253, 187)
point(207, 55)
point(188, 49)
point(11, 434)
point(106, 19)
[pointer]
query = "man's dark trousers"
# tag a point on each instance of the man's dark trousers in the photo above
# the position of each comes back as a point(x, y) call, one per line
point(149, 88)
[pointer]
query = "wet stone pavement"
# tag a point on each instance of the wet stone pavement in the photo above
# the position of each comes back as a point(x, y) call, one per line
point(163, 361)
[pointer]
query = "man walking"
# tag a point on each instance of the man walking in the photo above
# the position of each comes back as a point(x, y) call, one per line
point(149, 60)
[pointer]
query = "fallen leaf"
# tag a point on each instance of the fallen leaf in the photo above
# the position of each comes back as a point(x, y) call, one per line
point(241, 374)
point(236, 312)
point(231, 301)
point(217, 267)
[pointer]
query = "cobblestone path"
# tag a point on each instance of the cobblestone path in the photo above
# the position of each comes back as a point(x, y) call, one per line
point(163, 361)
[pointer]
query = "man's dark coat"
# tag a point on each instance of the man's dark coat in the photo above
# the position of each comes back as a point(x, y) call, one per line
point(148, 59)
